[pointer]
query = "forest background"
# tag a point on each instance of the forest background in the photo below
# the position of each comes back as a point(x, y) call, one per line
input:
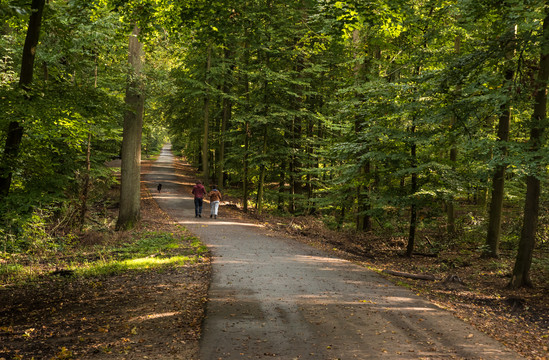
point(417, 121)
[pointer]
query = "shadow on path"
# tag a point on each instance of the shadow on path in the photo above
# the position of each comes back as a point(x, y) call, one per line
point(277, 298)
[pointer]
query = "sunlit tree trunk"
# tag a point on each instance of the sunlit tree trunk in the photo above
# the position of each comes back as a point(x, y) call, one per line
point(130, 182)
point(14, 133)
point(521, 271)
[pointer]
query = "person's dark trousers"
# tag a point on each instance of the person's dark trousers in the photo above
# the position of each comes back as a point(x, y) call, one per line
point(198, 206)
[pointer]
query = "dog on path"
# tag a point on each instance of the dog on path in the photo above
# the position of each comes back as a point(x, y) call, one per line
point(159, 187)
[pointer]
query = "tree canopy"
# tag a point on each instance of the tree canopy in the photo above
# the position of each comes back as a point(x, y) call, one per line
point(387, 116)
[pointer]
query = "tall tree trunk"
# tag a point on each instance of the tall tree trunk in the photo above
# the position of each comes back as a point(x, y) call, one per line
point(245, 188)
point(413, 190)
point(450, 208)
point(15, 130)
point(363, 222)
point(130, 182)
point(86, 182)
point(281, 184)
point(521, 271)
point(205, 139)
point(227, 111)
point(498, 177)
point(262, 171)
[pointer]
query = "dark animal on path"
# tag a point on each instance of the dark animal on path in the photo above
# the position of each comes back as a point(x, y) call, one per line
point(159, 187)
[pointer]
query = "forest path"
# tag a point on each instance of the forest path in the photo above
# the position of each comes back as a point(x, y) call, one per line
point(277, 298)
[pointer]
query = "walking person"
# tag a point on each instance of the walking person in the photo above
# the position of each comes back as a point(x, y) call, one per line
point(215, 198)
point(198, 191)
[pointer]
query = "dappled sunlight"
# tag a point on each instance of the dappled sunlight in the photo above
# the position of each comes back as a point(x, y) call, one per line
point(316, 259)
point(154, 316)
point(205, 222)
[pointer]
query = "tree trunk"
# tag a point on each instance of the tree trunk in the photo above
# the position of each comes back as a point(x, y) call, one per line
point(362, 219)
point(281, 185)
point(498, 178)
point(450, 208)
point(498, 186)
point(521, 271)
point(263, 166)
point(205, 149)
point(14, 133)
point(245, 175)
point(86, 182)
point(130, 183)
point(413, 208)
point(227, 112)
point(263, 170)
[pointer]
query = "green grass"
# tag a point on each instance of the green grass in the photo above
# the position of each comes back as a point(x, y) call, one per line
point(145, 251)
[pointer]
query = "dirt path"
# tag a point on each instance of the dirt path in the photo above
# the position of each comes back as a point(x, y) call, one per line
point(276, 298)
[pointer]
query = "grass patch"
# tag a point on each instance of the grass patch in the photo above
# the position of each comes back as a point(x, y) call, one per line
point(139, 251)
point(101, 268)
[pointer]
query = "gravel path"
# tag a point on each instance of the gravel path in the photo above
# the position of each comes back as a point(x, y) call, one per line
point(277, 298)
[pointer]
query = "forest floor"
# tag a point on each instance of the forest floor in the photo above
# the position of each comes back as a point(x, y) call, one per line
point(141, 314)
point(137, 314)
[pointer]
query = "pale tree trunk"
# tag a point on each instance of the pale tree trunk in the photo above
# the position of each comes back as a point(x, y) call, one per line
point(521, 271)
point(205, 151)
point(498, 177)
point(15, 130)
point(130, 183)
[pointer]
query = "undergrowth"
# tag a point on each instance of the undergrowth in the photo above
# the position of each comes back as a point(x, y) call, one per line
point(138, 250)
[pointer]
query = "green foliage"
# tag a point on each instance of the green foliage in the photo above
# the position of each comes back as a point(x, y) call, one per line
point(315, 107)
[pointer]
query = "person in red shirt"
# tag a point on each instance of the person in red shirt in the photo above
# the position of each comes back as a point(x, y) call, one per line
point(198, 191)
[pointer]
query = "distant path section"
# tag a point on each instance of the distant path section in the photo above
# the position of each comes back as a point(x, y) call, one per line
point(277, 298)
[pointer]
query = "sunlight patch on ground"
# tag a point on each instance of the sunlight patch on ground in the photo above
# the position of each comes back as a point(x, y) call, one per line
point(153, 316)
point(217, 222)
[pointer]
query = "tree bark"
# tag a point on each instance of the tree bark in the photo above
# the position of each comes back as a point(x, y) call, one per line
point(262, 171)
point(227, 112)
point(413, 206)
point(245, 188)
point(450, 208)
point(15, 130)
point(205, 149)
point(521, 271)
point(493, 235)
point(130, 182)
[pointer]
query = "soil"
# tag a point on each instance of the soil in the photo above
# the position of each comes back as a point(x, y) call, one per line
point(140, 315)
point(127, 316)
